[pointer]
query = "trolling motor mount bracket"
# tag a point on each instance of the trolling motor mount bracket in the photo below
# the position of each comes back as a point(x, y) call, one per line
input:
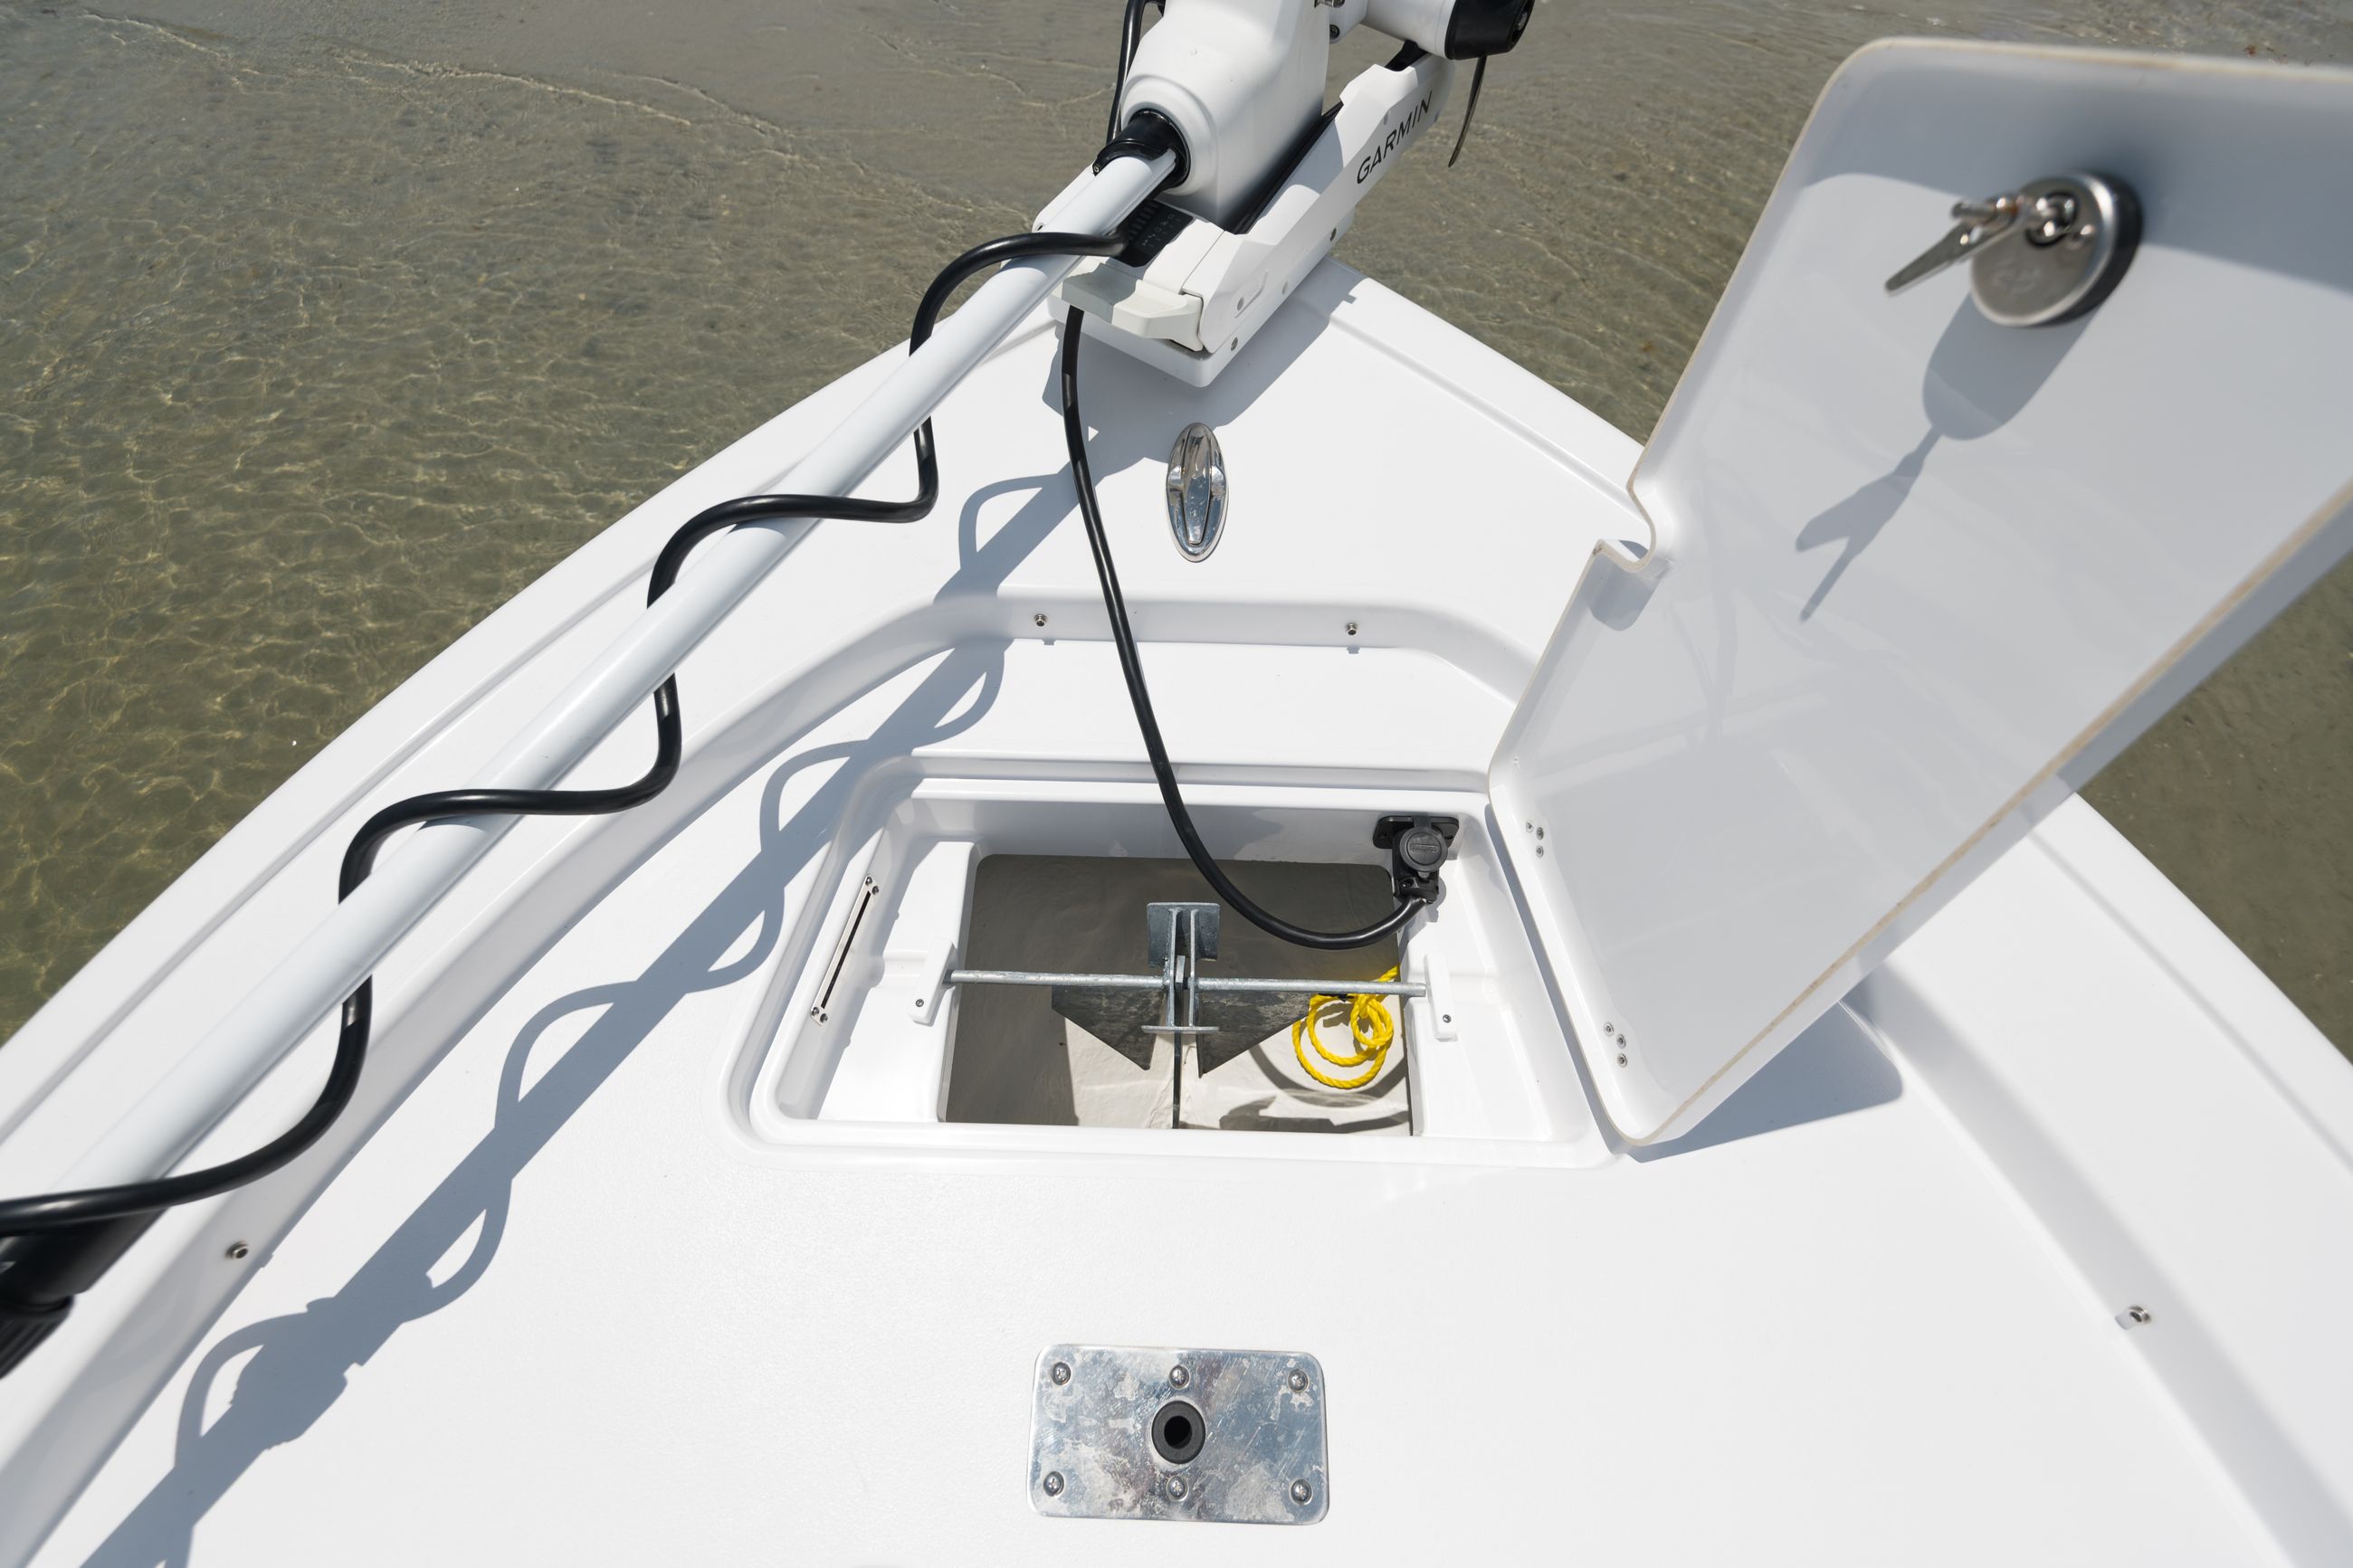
point(1193, 296)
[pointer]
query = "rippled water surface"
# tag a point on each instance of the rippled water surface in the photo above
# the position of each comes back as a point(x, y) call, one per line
point(323, 329)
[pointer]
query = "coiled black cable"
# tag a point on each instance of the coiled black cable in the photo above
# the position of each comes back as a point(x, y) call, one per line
point(1131, 668)
point(97, 1206)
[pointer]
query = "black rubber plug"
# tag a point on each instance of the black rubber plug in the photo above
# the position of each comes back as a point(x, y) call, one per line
point(1177, 1431)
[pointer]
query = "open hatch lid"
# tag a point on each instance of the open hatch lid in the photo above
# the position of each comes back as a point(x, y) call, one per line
point(1915, 577)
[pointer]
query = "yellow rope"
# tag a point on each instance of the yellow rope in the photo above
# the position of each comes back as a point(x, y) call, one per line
point(1369, 1025)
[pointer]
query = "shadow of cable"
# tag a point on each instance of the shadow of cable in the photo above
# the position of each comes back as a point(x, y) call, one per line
point(1857, 518)
point(1979, 377)
point(298, 1363)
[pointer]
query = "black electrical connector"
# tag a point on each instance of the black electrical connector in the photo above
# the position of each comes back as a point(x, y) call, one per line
point(1418, 848)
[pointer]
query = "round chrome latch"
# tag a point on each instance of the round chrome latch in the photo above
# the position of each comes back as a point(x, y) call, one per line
point(2077, 233)
point(1197, 492)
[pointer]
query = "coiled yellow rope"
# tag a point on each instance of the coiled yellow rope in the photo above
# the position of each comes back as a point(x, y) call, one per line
point(1369, 1025)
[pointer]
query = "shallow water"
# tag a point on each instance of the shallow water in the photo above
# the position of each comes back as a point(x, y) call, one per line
point(325, 329)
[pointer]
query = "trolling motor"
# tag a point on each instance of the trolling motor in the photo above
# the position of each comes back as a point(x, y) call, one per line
point(1227, 182)
point(1272, 178)
point(1241, 80)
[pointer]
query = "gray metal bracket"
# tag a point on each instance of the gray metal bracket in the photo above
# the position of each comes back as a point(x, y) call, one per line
point(1177, 938)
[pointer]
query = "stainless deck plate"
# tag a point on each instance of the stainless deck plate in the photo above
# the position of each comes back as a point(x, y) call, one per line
point(1261, 1462)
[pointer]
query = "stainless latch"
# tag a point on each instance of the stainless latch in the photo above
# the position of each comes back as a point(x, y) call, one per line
point(2047, 252)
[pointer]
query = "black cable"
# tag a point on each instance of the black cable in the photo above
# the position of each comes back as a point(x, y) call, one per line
point(1131, 668)
point(1131, 33)
point(103, 1205)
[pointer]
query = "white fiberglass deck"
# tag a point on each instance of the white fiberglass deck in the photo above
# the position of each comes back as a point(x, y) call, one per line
point(1841, 1341)
point(597, 1283)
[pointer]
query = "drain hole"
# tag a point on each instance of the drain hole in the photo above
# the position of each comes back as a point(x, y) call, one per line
point(1177, 1431)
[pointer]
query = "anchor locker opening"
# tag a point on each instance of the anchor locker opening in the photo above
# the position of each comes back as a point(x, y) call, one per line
point(1053, 961)
point(1184, 1048)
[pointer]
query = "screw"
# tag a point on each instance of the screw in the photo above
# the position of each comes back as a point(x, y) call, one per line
point(1298, 1381)
point(2139, 1314)
point(1052, 1483)
point(1539, 833)
point(1039, 617)
point(1335, 32)
point(1062, 1373)
point(1176, 1487)
point(1302, 1492)
point(238, 1252)
point(1446, 1017)
point(1609, 1028)
point(1621, 1058)
point(1352, 628)
point(1179, 1377)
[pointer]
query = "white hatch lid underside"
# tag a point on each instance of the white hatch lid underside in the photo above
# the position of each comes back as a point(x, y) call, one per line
point(1915, 575)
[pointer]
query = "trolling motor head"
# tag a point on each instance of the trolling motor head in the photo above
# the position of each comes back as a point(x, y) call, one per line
point(1458, 30)
point(1267, 177)
point(1241, 81)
